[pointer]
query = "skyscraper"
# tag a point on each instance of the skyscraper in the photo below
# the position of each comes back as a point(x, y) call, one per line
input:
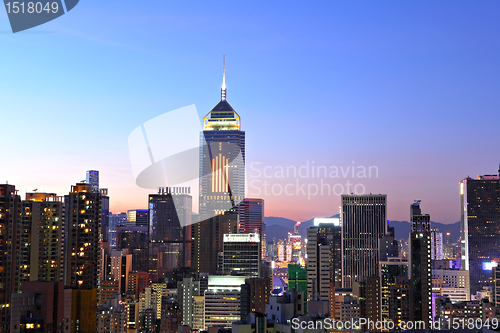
point(324, 257)
point(169, 230)
point(138, 217)
point(363, 223)
point(83, 237)
point(208, 243)
point(241, 254)
point(135, 240)
point(92, 178)
point(436, 244)
point(420, 266)
point(480, 226)
point(222, 159)
point(251, 213)
point(43, 218)
point(222, 183)
point(83, 253)
point(10, 231)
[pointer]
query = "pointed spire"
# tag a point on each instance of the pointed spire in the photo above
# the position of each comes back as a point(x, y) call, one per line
point(223, 89)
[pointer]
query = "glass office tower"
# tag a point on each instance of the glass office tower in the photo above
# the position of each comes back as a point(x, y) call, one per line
point(363, 223)
point(480, 226)
point(222, 160)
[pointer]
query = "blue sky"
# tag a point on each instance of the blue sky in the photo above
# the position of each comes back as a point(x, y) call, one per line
point(410, 87)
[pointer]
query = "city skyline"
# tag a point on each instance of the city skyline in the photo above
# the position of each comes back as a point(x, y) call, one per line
point(386, 72)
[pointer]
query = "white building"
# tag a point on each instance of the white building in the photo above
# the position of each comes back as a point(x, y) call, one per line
point(436, 244)
point(222, 300)
point(452, 283)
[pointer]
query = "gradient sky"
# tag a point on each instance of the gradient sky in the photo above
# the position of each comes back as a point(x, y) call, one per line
point(410, 87)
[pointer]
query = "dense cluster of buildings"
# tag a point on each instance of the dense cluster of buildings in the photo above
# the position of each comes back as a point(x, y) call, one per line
point(69, 265)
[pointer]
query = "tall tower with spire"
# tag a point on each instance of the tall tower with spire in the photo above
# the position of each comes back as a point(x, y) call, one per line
point(222, 158)
point(222, 183)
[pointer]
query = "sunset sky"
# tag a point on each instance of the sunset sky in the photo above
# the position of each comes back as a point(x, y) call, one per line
point(411, 89)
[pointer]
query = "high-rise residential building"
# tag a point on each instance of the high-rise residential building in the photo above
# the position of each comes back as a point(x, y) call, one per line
point(223, 300)
point(187, 290)
point(436, 244)
point(43, 237)
point(324, 257)
point(10, 232)
point(92, 178)
point(83, 254)
point(82, 241)
point(120, 265)
point(251, 213)
point(241, 254)
point(420, 264)
point(222, 160)
point(480, 226)
point(137, 283)
point(169, 231)
point(41, 307)
point(363, 223)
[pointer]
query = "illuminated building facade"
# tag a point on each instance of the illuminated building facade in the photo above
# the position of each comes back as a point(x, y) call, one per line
point(324, 257)
point(436, 244)
point(480, 225)
point(42, 250)
point(223, 300)
point(390, 271)
point(138, 217)
point(115, 220)
point(10, 230)
point(241, 254)
point(83, 242)
point(92, 178)
point(222, 160)
point(363, 223)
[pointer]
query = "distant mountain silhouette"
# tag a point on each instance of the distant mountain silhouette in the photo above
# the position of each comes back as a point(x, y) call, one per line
point(402, 229)
point(279, 227)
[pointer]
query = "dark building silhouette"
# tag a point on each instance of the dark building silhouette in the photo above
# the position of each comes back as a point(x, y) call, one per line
point(363, 223)
point(11, 231)
point(251, 213)
point(480, 226)
point(41, 307)
point(136, 240)
point(208, 241)
point(169, 231)
point(420, 266)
